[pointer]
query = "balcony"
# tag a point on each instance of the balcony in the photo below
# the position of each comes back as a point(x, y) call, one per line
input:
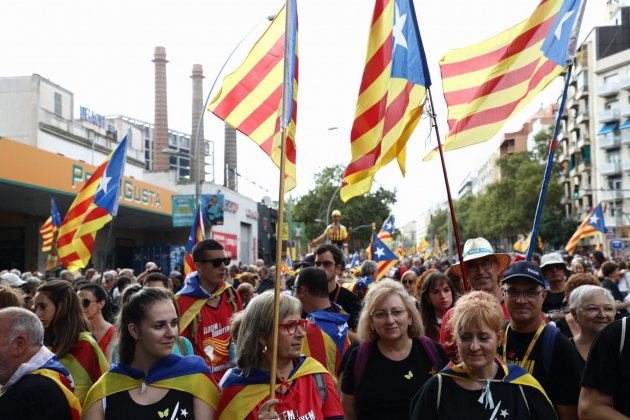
point(625, 83)
point(563, 177)
point(609, 140)
point(608, 115)
point(583, 166)
point(625, 136)
point(581, 116)
point(584, 141)
point(561, 135)
point(607, 90)
point(610, 168)
point(626, 166)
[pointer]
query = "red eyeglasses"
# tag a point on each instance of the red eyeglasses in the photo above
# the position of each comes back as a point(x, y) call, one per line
point(291, 326)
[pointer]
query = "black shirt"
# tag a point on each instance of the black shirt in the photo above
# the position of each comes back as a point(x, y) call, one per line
point(349, 302)
point(607, 370)
point(561, 379)
point(458, 403)
point(34, 397)
point(387, 386)
point(564, 328)
point(175, 404)
point(264, 285)
point(554, 301)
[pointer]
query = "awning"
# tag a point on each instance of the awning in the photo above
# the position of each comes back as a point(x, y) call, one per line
point(607, 128)
point(626, 124)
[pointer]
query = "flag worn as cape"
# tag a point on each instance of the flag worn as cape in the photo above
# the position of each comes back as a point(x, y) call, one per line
point(326, 339)
point(187, 374)
point(241, 393)
point(56, 372)
point(189, 308)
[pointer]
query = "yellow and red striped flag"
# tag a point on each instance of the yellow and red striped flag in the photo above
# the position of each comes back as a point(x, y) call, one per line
point(94, 206)
point(487, 83)
point(592, 224)
point(50, 227)
point(250, 99)
point(391, 96)
point(196, 235)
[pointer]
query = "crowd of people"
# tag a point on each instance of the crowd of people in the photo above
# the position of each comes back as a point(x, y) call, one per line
point(538, 339)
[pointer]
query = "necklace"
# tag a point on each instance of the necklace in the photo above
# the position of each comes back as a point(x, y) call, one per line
point(532, 343)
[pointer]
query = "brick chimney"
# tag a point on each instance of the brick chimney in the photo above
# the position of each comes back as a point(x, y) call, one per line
point(230, 158)
point(160, 131)
point(197, 105)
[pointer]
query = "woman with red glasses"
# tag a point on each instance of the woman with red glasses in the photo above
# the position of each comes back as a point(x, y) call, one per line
point(304, 387)
point(94, 302)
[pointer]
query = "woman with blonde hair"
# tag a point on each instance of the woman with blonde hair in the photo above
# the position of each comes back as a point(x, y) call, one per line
point(482, 386)
point(394, 358)
point(304, 387)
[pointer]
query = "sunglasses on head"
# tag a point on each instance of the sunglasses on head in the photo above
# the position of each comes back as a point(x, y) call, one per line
point(216, 262)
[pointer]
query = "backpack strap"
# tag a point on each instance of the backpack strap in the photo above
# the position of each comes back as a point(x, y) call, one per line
point(431, 350)
point(549, 340)
point(231, 297)
point(321, 386)
point(363, 354)
point(623, 334)
point(439, 393)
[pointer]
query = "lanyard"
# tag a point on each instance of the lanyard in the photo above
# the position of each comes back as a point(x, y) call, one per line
point(531, 344)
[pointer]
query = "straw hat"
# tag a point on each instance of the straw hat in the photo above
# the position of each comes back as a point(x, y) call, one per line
point(479, 248)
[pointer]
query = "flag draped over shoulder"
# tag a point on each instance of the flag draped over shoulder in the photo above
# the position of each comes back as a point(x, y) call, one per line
point(94, 206)
point(196, 235)
point(485, 84)
point(391, 95)
point(50, 226)
point(250, 99)
point(592, 224)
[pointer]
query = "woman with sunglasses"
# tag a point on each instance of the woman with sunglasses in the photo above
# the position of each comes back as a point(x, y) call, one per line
point(67, 334)
point(94, 301)
point(393, 360)
point(304, 387)
point(437, 296)
point(408, 280)
point(149, 379)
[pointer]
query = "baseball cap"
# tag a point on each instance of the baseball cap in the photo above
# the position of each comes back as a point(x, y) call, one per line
point(524, 270)
point(12, 280)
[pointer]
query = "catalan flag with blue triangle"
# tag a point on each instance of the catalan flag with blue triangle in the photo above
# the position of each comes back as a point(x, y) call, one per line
point(326, 339)
point(383, 255)
point(50, 227)
point(592, 224)
point(196, 235)
point(391, 96)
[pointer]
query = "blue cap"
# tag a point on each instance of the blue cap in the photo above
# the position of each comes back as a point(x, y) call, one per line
point(524, 270)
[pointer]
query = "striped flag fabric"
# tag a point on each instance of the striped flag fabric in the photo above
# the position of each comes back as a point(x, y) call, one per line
point(436, 246)
point(391, 96)
point(197, 234)
point(355, 261)
point(383, 255)
point(591, 225)
point(487, 83)
point(50, 226)
point(94, 206)
point(250, 99)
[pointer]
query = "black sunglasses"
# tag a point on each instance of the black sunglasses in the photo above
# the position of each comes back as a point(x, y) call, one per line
point(216, 262)
point(87, 302)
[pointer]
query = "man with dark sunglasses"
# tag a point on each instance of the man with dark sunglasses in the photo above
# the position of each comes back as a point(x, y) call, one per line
point(207, 303)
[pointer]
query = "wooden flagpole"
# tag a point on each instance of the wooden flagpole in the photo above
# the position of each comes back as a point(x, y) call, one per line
point(448, 192)
point(287, 95)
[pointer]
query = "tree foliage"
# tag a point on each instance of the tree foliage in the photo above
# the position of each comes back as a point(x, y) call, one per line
point(312, 207)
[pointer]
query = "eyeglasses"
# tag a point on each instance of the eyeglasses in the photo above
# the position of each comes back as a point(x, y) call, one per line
point(292, 326)
point(527, 294)
point(324, 263)
point(216, 262)
point(595, 310)
point(87, 302)
point(555, 267)
point(382, 315)
point(407, 282)
point(486, 264)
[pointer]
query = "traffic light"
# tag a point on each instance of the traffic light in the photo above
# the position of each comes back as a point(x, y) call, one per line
point(576, 194)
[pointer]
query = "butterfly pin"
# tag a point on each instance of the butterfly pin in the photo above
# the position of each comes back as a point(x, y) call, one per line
point(163, 414)
point(409, 375)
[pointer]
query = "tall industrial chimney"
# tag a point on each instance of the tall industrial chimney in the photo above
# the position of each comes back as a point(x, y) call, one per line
point(197, 105)
point(160, 131)
point(230, 158)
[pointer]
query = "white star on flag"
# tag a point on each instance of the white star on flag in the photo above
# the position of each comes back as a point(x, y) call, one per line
point(567, 16)
point(379, 252)
point(397, 30)
point(593, 220)
point(102, 186)
point(388, 225)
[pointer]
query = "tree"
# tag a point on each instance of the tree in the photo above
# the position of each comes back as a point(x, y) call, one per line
point(371, 208)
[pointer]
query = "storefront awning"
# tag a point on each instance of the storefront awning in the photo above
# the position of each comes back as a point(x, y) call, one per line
point(626, 124)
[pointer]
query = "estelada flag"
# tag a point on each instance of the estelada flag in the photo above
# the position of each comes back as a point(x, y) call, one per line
point(196, 235)
point(593, 223)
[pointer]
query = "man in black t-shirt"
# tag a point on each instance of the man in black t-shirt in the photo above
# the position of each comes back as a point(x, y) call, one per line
point(606, 380)
point(26, 392)
point(554, 270)
point(611, 273)
point(547, 355)
point(329, 258)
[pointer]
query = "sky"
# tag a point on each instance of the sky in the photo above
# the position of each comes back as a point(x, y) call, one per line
point(102, 51)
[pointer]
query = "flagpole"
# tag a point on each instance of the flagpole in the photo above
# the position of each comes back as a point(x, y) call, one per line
point(109, 237)
point(547, 177)
point(448, 192)
point(287, 107)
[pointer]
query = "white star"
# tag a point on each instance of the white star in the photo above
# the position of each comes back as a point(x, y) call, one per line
point(379, 252)
point(593, 220)
point(504, 413)
point(566, 17)
point(342, 329)
point(104, 183)
point(388, 226)
point(184, 412)
point(399, 25)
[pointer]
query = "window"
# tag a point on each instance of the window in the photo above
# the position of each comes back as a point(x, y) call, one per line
point(58, 104)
